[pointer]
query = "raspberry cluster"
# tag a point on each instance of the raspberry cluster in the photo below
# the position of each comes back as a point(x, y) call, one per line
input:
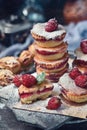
point(74, 73)
point(27, 80)
point(79, 78)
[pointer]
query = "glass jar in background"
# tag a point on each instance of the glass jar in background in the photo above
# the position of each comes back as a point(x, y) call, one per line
point(34, 11)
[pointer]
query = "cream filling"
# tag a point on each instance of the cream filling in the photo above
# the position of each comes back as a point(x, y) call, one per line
point(39, 69)
point(41, 61)
point(50, 43)
point(61, 48)
point(80, 55)
point(34, 97)
point(51, 57)
point(39, 29)
point(35, 88)
point(75, 98)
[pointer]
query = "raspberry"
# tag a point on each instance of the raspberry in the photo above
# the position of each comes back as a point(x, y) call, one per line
point(74, 73)
point(51, 25)
point(54, 103)
point(81, 81)
point(17, 80)
point(83, 46)
point(28, 80)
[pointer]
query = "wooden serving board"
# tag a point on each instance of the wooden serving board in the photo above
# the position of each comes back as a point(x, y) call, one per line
point(67, 108)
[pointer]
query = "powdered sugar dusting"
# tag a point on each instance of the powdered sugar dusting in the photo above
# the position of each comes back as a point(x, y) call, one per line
point(80, 55)
point(39, 29)
point(66, 82)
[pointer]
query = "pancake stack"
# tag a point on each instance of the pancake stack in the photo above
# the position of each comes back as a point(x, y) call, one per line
point(51, 51)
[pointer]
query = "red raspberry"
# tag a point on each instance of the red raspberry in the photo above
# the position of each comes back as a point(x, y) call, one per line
point(74, 73)
point(17, 80)
point(83, 46)
point(54, 103)
point(51, 25)
point(81, 81)
point(28, 80)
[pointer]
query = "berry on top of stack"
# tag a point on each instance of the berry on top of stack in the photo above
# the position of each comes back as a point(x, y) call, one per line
point(31, 88)
point(51, 51)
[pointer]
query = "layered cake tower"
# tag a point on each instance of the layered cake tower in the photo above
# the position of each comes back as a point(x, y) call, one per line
point(51, 51)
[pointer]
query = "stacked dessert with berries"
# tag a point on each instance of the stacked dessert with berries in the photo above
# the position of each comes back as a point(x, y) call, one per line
point(74, 86)
point(51, 51)
point(81, 57)
point(31, 88)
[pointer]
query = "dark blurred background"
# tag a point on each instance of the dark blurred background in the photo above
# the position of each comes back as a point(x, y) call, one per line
point(47, 9)
point(65, 11)
point(18, 16)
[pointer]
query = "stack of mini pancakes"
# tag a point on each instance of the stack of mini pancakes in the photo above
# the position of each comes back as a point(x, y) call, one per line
point(51, 51)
